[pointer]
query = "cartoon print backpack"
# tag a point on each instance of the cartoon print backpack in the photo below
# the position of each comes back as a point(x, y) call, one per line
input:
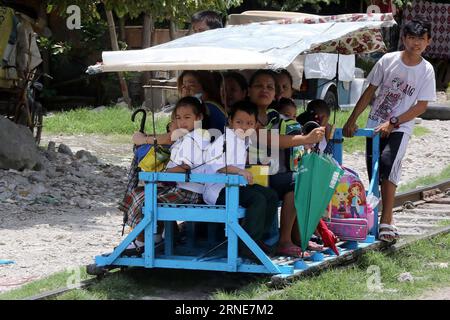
point(351, 215)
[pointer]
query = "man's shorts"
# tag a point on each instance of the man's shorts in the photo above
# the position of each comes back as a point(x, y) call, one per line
point(392, 151)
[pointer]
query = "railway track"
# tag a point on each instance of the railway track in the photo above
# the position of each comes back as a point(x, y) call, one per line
point(419, 214)
point(420, 211)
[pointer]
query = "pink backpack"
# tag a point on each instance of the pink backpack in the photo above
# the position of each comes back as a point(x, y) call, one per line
point(351, 215)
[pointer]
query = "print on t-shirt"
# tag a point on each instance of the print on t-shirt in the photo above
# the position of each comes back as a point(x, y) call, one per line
point(386, 102)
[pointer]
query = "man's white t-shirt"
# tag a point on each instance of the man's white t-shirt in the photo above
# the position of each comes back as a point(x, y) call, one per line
point(399, 88)
point(236, 155)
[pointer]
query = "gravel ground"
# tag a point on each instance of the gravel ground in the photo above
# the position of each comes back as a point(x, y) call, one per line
point(65, 215)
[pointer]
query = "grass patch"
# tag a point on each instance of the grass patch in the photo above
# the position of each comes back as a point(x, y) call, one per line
point(353, 282)
point(359, 143)
point(111, 120)
point(420, 131)
point(426, 180)
point(356, 143)
point(117, 121)
point(444, 223)
point(55, 281)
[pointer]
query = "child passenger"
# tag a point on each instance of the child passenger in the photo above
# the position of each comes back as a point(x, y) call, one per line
point(260, 202)
point(287, 107)
point(186, 154)
point(319, 111)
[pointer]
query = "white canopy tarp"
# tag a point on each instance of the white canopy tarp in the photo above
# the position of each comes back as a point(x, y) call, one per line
point(249, 46)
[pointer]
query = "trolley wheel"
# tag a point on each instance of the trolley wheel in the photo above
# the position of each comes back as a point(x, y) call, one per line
point(94, 270)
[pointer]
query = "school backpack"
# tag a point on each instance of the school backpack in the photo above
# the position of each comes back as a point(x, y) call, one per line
point(293, 154)
point(151, 158)
point(286, 127)
point(351, 216)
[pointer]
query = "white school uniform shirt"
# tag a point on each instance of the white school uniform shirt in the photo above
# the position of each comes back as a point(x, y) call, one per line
point(236, 155)
point(190, 150)
point(399, 88)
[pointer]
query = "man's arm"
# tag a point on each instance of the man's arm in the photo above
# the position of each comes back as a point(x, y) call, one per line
point(386, 128)
point(141, 138)
point(350, 126)
point(415, 111)
point(289, 141)
point(235, 170)
point(179, 169)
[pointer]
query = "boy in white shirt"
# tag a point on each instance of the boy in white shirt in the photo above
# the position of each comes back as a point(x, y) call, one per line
point(405, 83)
point(261, 203)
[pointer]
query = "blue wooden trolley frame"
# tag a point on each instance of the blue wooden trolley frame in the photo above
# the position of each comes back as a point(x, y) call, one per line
point(228, 215)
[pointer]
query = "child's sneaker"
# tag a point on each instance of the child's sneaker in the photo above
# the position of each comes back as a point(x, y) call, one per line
point(136, 248)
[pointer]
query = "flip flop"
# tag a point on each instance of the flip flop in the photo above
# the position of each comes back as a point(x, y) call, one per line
point(292, 251)
point(313, 246)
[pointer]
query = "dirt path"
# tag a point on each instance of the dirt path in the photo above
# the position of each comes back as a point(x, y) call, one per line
point(436, 294)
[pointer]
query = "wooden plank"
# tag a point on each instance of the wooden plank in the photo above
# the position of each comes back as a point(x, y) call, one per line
point(352, 256)
point(343, 259)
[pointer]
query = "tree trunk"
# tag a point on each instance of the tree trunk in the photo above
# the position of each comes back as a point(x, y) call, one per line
point(172, 30)
point(146, 43)
point(173, 35)
point(115, 47)
point(122, 29)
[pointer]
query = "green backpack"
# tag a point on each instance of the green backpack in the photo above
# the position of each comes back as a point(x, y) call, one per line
point(293, 154)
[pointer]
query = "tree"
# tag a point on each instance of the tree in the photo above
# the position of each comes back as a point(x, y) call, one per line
point(175, 11)
point(294, 5)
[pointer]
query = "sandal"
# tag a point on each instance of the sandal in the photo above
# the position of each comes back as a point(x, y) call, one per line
point(388, 233)
point(292, 251)
point(314, 246)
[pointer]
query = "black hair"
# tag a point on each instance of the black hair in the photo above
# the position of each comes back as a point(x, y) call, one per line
point(283, 102)
point(268, 72)
point(319, 106)
point(286, 73)
point(418, 26)
point(313, 108)
point(209, 81)
point(212, 18)
point(245, 106)
point(198, 107)
point(239, 78)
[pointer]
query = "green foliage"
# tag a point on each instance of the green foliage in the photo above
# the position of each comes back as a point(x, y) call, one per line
point(352, 283)
point(175, 10)
point(111, 120)
point(426, 180)
point(54, 48)
point(402, 3)
point(295, 5)
point(92, 33)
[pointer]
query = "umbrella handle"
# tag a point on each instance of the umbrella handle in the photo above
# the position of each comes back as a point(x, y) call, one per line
point(144, 117)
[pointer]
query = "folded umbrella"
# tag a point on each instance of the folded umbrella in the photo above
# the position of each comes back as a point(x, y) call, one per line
point(315, 184)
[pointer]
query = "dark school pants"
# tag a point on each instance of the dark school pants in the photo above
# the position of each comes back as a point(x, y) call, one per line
point(261, 204)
